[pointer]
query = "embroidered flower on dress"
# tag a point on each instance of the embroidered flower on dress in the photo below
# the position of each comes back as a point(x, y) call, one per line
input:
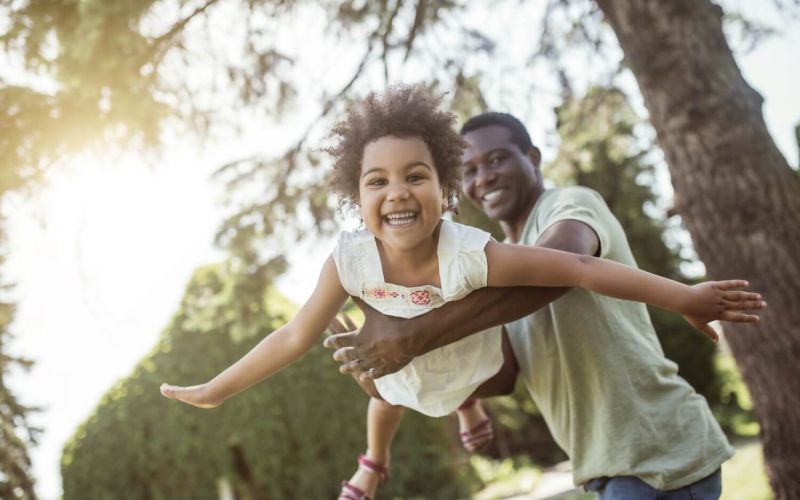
point(421, 297)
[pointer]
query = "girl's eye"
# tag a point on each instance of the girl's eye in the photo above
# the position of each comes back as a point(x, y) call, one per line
point(495, 160)
point(414, 178)
point(469, 172)
point(376, 182)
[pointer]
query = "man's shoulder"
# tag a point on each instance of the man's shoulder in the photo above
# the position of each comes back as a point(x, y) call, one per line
point(576, 203)
point(568, 199)
point(572, 193)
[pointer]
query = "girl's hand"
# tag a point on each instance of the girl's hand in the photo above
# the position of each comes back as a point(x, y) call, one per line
point(723, 301)
point(196, 395)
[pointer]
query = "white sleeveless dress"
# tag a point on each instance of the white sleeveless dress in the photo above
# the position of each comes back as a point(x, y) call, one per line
point(438, 382)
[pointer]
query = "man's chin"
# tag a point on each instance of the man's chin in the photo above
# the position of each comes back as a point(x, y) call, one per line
point(496, 212)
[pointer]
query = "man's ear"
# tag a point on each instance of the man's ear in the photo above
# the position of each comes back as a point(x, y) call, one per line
point(535, 156)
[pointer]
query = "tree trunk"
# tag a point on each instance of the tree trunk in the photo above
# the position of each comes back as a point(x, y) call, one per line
point(736, 193)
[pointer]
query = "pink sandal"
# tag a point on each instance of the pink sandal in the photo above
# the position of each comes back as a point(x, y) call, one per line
point(478, 437)
point(350, 492)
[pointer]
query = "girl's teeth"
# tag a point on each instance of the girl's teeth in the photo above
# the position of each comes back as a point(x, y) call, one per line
point(401, 219)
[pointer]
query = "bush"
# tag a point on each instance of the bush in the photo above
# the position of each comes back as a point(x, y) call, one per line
point(295, 436)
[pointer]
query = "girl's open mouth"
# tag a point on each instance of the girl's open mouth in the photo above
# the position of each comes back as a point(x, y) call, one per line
point(400, 219)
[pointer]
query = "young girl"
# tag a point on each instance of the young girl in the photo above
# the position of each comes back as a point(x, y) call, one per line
point(397, 159)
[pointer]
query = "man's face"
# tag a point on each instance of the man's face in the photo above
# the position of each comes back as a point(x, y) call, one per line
point(502, 180)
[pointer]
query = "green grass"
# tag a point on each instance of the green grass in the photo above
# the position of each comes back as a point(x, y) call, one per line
point(743, 476)
point(735, 408)
point(503, 478)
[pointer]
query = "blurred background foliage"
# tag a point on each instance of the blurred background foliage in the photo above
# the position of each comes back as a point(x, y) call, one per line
point(132, 75)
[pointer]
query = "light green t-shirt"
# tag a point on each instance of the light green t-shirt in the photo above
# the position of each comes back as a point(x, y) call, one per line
point(595, 368)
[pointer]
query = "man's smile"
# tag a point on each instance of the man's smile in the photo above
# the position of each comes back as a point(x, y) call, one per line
point(493, 194)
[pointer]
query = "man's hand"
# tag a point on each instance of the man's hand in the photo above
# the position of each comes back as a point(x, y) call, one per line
point(385, 344)
point(344, 325)
point(381, 346)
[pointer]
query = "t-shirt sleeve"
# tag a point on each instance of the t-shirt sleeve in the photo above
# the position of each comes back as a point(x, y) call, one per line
point(580, 204)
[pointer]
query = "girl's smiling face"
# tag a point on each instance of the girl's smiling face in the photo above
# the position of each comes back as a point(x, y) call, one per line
point(400, 196)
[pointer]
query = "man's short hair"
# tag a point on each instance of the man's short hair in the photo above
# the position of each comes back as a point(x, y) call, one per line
point(519, 134)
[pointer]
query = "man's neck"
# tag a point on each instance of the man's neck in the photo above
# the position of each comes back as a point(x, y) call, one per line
point(513, 231)
point(515, 227)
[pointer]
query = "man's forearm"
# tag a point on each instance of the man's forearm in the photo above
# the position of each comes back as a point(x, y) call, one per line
point(384, 344)
point(490, 307)
point(485, 308)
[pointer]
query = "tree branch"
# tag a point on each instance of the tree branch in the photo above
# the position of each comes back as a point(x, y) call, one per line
point(422, 5)
point(182, 24)
point(385, 38)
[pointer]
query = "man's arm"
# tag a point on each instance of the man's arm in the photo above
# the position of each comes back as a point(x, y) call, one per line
point(570, 236)
point(384, 344)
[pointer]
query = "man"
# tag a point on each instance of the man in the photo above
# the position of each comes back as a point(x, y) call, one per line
point(593, 365)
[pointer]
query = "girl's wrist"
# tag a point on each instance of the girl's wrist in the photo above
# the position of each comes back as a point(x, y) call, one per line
point(687, 299)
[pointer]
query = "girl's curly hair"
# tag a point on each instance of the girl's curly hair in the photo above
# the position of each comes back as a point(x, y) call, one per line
point(402, 111)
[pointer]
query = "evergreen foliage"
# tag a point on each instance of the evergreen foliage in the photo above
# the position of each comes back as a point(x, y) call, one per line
point(295, 436)
point(16, 432)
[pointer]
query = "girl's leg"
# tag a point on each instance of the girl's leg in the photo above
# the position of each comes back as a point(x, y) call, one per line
point(474, 425)
point(383, 420)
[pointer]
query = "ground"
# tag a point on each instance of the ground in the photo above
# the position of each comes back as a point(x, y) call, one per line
point(743, 478)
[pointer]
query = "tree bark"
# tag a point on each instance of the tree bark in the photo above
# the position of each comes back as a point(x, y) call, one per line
point(736, 193)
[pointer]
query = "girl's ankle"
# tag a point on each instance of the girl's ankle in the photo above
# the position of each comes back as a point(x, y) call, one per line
point(381, 459)
point(468, 404)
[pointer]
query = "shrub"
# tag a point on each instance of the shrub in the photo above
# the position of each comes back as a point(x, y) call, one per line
point(294, 436)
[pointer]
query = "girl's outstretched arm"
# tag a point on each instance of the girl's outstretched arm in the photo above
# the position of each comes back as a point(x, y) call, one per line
point(515, 265)
point(276, 351)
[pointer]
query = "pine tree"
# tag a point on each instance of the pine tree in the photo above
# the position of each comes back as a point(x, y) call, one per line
point(16, 433)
